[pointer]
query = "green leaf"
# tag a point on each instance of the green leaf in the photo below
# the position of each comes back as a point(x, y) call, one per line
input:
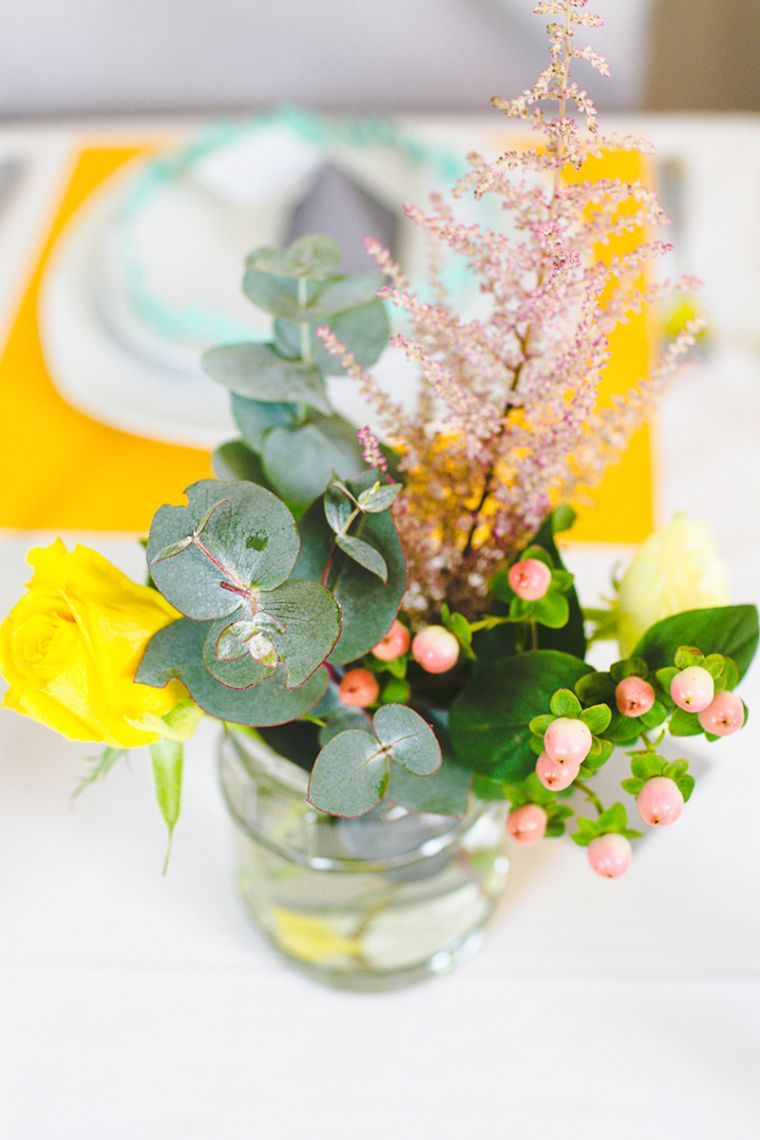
point(596, 688)
point(685, 786)
point(730, 630)
point(379, 497)
point(176, 652)
point(234, 461)
point(613, 819)
point(665, 678)
point(687, 655)
point(364, 554)
point(242, 538)
point(410, 739)
point(368, 604)
point(597, 719)
point(490, 719)
point(446, 792)
point(166, 757)
point(565, 703)
point(683, 723)
point(350, 775)
point(338, 507)
point(656, 716)
point(458, 625)
point(255, 418)
point(364, 330)
point(553, 610)
point(100, 767)
point(539, 724)
point(629, 667)
point(300, 461)
point(259, 372)
point(311, 255)
point(296, 625)
point(395, 691)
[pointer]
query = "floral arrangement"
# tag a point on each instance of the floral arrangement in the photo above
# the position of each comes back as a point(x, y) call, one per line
point(389, 608)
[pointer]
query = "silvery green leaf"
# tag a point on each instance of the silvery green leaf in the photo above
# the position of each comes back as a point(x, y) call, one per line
point(227, 656)
point(350, 774)
point(243, 539)
point(305, 625)
point(255, 418)
point(300, 461)
point(176, 652)
point(258, 371)
point(446, 792)
point(366, 555)
point(379, 497)
point(346, 293)
point(338, 507)
point(312, 255)
point(411, 740)
point(364, 330)
point(234, 461)
point(368, 604)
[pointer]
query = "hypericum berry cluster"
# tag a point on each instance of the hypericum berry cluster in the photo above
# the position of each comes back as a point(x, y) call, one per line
point(700, 688)
point(564, 740)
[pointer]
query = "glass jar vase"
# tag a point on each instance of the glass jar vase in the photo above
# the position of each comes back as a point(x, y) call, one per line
point(369, 903)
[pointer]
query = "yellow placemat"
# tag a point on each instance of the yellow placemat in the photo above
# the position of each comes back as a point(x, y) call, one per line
point(61, 470)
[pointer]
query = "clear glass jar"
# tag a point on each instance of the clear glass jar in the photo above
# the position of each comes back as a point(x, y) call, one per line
point(369, 903)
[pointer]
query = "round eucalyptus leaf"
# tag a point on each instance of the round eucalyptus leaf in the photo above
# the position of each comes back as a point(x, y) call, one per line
point(311, 255)
point(364, 331)
point(305, 625)
point(260, 372)
point(175, 652)
point(231, 538)
point(350, 775)
point(411, 740)
point(227, 656)
point(254, 418)
point(446, 792)
point(299, 462)
point(234, 461)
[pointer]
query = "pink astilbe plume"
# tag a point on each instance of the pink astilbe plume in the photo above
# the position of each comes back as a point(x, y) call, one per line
point(508, 420)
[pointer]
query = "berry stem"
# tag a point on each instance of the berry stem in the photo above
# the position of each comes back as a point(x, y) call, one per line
point(590, 794)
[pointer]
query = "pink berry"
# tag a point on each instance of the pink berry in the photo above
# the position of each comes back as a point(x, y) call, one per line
point(394, 644)
point(435, 649)
point(660, 801)
point(724, 715)
point(567, 741)
point(610, 855)
point(634, 696)
point(527, 824)
point(692, 689)
point(556, 777)
point(530, 579)
point(358, 688)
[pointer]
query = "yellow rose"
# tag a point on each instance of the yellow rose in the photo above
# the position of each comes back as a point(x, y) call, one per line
point(69, 650)
point(677, 568)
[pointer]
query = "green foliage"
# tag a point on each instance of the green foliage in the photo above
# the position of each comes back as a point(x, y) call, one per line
point(565, 703)
point(490, 720)
point(729, 630)
point(647, 765)
point(445, 792)
point(100, 768)
point(461, 628)
point(352, 771)
point(368, 604)
point(230, 539)
point(260, 373)
point(528, 791)
point(176, 652)
point(613, 820)
point(166, 758)
point(299, 460)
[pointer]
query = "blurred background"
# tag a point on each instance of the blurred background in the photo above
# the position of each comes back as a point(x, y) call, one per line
point(60, 57)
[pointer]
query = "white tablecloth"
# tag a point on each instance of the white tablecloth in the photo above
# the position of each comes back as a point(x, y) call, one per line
point(136, 1006)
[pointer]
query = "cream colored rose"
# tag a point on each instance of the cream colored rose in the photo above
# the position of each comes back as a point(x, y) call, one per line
point(677, 568)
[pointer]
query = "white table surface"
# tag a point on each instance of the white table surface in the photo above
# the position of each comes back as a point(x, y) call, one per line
point(136, 1006)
